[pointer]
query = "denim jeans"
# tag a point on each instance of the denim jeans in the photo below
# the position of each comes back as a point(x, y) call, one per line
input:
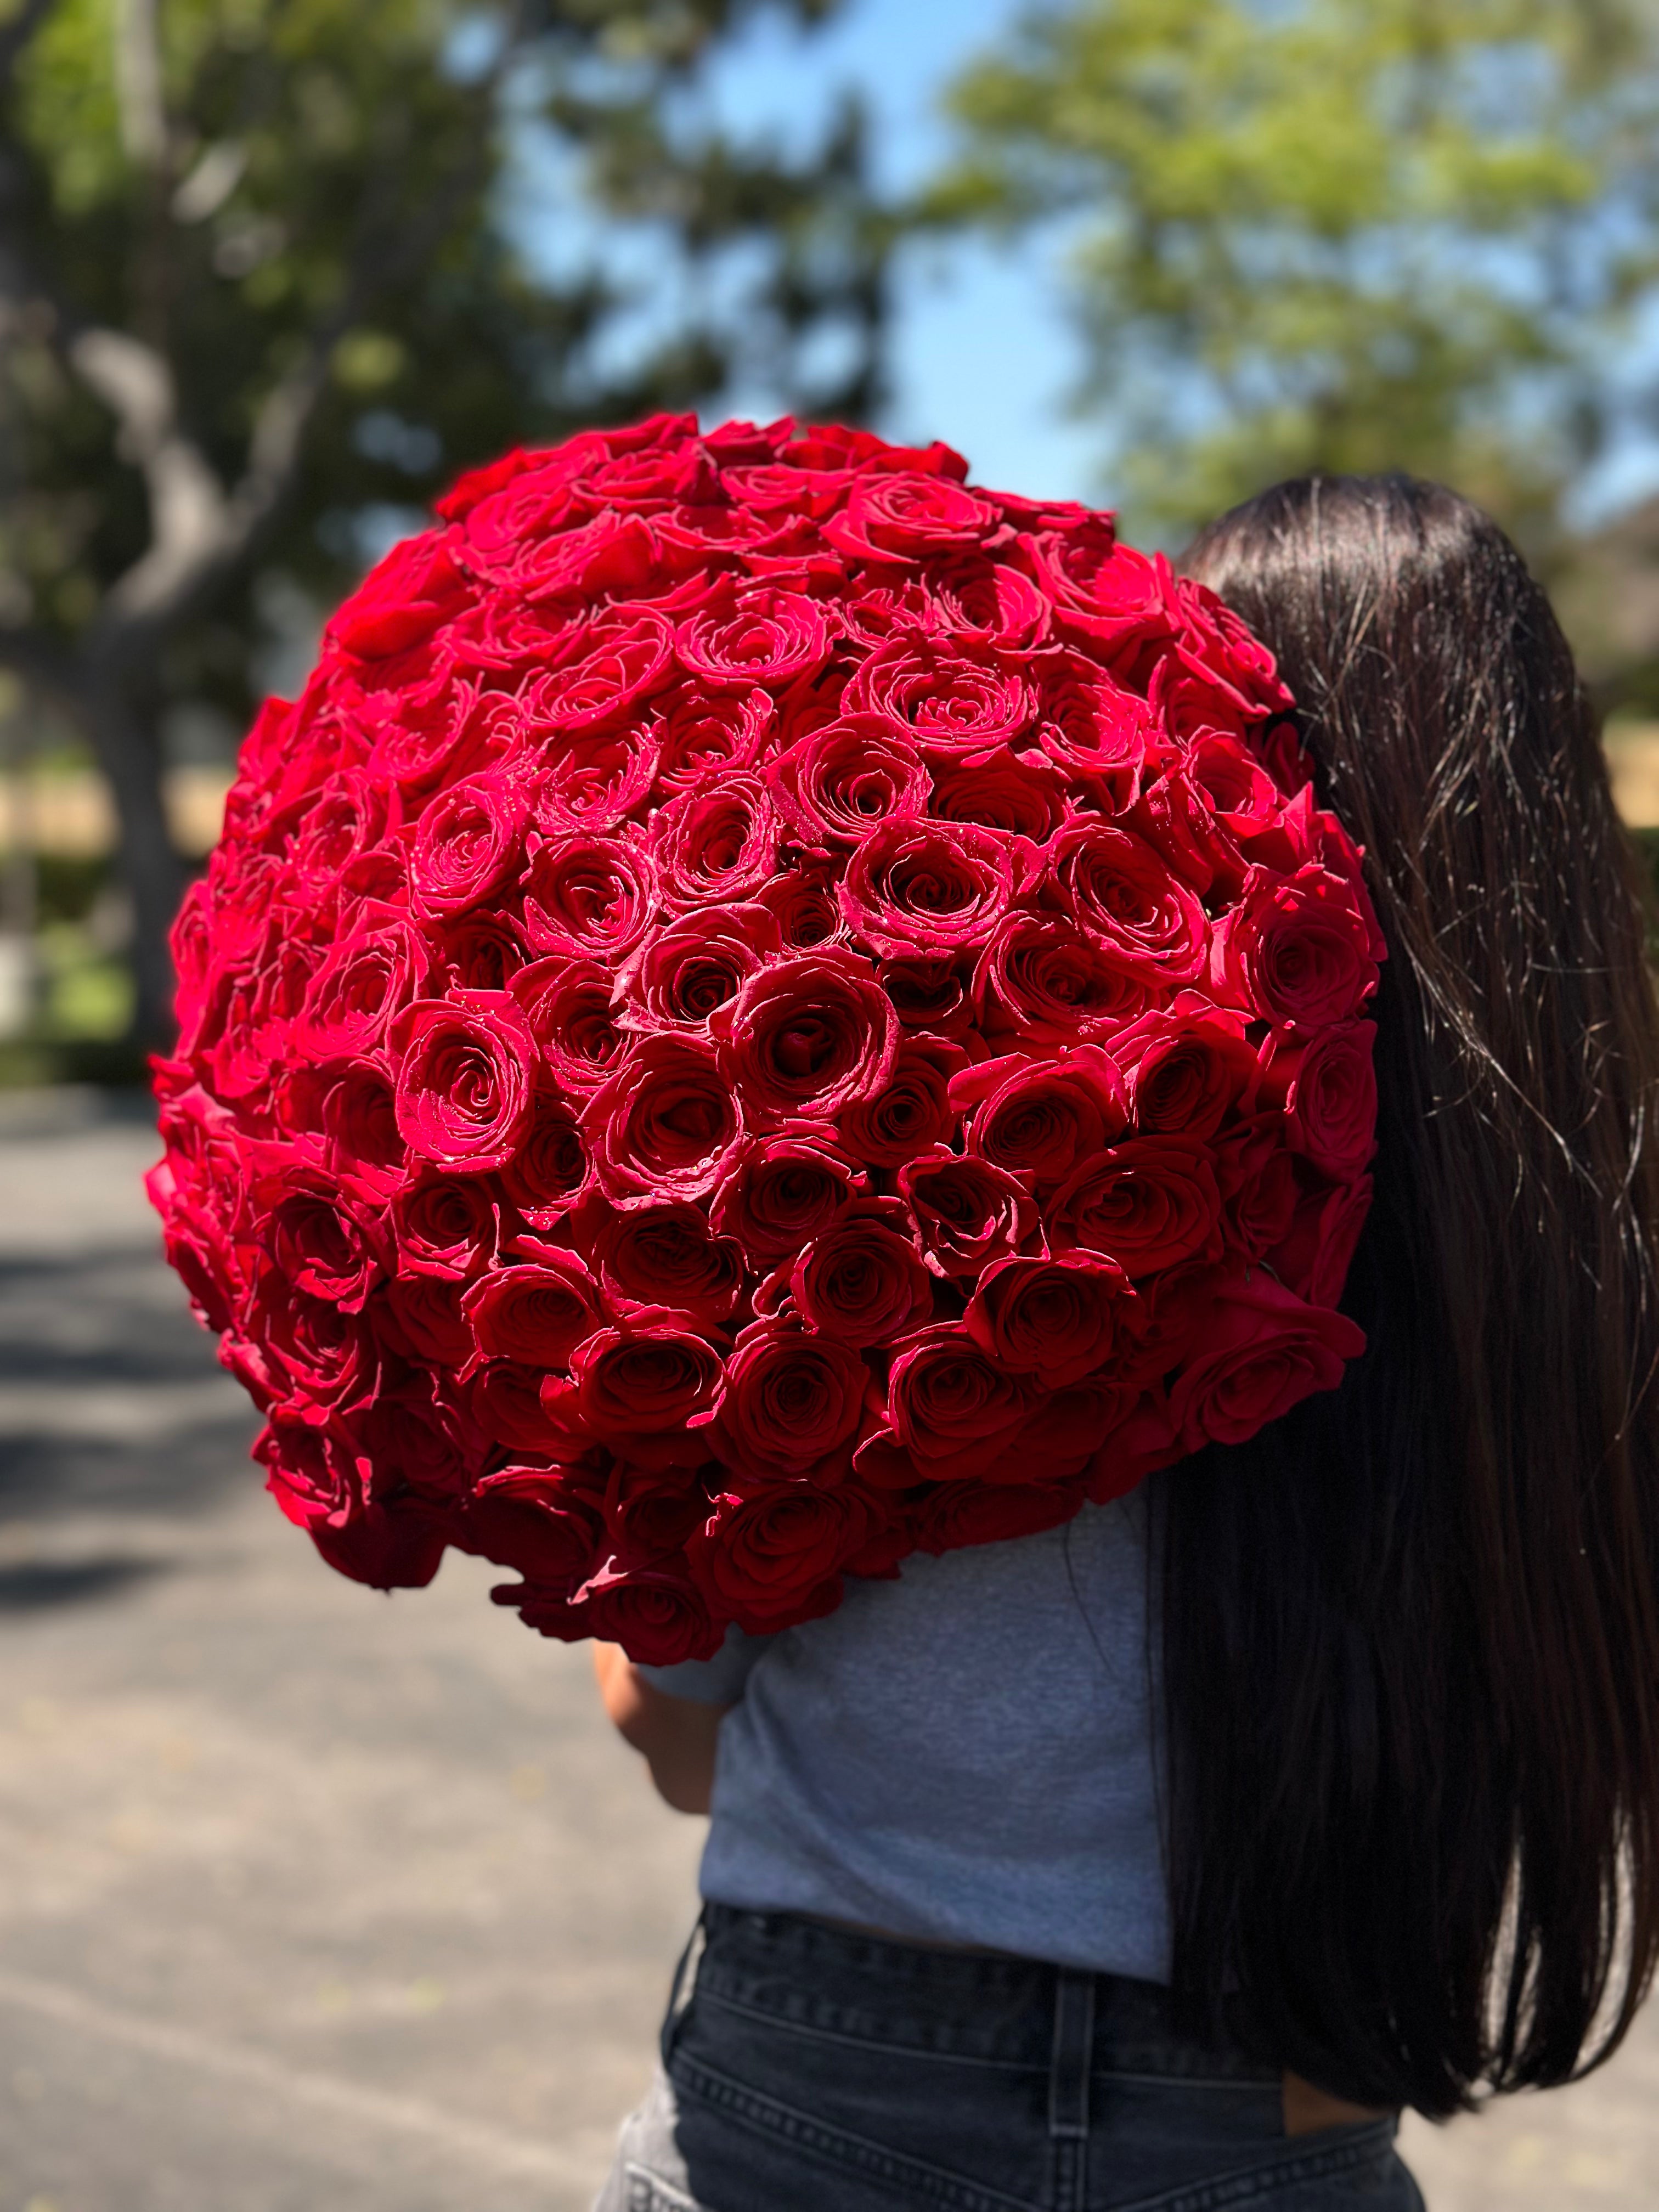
point(813, 2069)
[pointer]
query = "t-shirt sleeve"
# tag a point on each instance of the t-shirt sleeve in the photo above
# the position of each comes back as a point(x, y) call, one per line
point(716, 1681)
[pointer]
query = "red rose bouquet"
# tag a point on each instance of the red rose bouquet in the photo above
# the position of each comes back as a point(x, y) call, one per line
point(768, 1008)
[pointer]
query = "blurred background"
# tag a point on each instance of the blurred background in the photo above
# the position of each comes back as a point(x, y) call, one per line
point(309, 1901)
point(272, 270)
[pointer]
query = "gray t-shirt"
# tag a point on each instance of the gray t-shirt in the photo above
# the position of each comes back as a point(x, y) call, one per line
point(963, 1755)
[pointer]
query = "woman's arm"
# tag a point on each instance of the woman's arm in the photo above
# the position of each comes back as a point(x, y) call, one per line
point(675, 1735)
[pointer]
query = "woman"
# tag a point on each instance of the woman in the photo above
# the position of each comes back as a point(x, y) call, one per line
point(993, 1923)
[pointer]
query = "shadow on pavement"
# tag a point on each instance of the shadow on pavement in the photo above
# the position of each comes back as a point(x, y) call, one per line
point(40, 1583)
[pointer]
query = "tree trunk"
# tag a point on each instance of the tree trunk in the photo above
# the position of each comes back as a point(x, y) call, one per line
point(129, 752)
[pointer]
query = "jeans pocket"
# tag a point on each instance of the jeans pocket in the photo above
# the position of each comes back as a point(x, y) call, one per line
point(1348, 2169)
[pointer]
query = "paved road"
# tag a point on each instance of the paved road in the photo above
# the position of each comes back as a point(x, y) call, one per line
point(316, 1901)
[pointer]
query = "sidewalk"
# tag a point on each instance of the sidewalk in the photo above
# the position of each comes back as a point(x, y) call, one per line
point(312, 1900)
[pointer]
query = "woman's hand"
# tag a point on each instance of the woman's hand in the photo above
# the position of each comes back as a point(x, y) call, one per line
point(675, 1735)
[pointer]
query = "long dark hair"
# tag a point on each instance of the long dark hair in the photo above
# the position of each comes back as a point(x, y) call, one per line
point(1410, 1635)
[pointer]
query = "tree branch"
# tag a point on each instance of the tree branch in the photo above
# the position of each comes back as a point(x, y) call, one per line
point(202, 534)
point(138, 84)
point(188, 508)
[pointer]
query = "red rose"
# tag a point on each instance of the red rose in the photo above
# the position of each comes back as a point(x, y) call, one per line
point(986, 601)
point(951, 697)
point(912, 1113)
point(665, 1255)
point(592, 783)
point(465, 1083)
point(1187, 1069)
point(480, 951)
point(663, 1124)
point(321, 1242)
point(1093, 727)
point(782, 1189)
point(445, 1225)
point(920, 886)
point(1119, 892)
point(968, 1213)
point(506, 1405)
point(862, 1281)
point(1301, 953)
point(538, 1313)
point(833, 786)
point(1040, 979)
point(589, 897)
point(803, 898)
point(640, 1383)
point(465, 843)
point(1264, 1351)
point(567, 1004)
point(1038, 1120)
point(313, 1473)
point(1319, 1243)
point(929, 992)
point(603, 667)
point(446, 732)
point(715, 845)
point(317, 1355)
point(1329, 1088)
point(429, 1442)
point(762, 635)
point(656, 1616)
point(348, 817)
point(549, 1172)
point(955, 1514)
point(388, 1548)
point(538, 1520)
point(375, 967)
point(652, 1514)
point(1020, 793)
point(770, 1561)
point(1055, 1319)
point(951, 1407)
point(703, 739)
point(901, 517)
point(402, 600)
point(697, 963)
point(1148, 1203)
point(789, 1406)
point(1103, 592)
point(421, 1318)
point(805, 1037)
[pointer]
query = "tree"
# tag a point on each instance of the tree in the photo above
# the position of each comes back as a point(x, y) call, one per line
point(262, 273)
point(1336, 234)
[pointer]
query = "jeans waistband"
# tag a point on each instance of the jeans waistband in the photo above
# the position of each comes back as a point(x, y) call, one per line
point(968, 2004)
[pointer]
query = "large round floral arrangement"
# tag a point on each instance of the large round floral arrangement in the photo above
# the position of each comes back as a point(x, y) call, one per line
point(768, 1008)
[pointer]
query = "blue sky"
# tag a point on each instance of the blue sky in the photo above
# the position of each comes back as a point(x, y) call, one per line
point(983, 349)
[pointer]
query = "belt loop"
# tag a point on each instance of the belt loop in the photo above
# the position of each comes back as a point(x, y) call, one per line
point(697, 1940)
point(1073, 2052)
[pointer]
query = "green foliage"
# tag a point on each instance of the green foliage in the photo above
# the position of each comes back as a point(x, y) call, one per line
point(1335, 233)
point(325, 198)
